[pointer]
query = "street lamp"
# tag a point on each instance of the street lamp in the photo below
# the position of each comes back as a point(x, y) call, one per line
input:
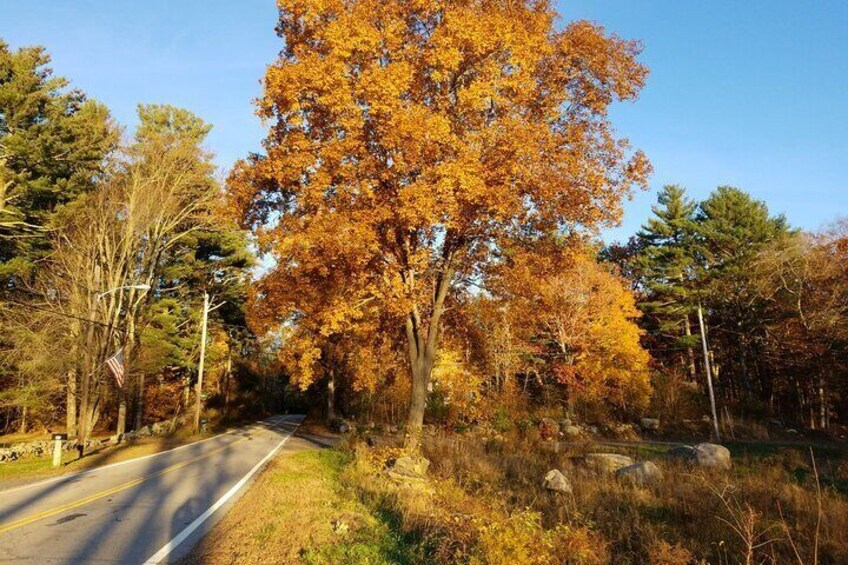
point(127, 287)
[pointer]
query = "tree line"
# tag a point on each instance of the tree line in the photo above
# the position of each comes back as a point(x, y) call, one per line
point(430, 193)
point(427, 204)
point(107, 244)
point(773, 300)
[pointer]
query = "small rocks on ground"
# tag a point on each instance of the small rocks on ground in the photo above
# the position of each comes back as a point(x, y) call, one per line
point(557, 482)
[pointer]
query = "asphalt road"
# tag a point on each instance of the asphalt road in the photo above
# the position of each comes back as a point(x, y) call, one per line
point(147, 510)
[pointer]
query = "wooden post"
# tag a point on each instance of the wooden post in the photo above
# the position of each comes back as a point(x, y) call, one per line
point(708, 369)
point(199, 386)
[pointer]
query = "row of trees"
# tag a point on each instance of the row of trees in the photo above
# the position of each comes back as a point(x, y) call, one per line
point(429, 192)
point(107, 244)
point(774, 300)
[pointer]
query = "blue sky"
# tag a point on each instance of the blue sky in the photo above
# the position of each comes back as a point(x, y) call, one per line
point(751, 93)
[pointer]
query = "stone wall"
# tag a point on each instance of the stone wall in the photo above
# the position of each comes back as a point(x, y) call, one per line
point(44, 447)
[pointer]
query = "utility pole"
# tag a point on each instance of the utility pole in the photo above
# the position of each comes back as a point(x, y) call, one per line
point(709, 371)
point(199, 386)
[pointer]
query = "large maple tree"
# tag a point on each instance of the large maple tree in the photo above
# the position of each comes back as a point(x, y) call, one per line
point(409, 138)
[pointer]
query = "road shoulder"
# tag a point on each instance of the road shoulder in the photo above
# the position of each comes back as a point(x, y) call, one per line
point(300, 510)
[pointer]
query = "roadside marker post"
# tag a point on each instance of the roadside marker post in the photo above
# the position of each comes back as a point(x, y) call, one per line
point(57, 448)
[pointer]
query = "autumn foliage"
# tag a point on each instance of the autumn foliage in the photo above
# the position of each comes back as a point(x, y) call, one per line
point(409, 142)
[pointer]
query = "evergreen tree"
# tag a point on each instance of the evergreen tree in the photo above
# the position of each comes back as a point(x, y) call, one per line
point(731, 229)
point(664, 268)
point(53, 142)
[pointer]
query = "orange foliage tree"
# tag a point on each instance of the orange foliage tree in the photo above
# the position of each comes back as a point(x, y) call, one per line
point(410, 138)
point(579, 318)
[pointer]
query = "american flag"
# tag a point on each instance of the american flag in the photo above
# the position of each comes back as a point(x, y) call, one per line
point(116, 365)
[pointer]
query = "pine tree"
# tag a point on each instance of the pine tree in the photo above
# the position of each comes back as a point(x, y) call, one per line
point(730, 230)
point(664, 266)
point(53, 142)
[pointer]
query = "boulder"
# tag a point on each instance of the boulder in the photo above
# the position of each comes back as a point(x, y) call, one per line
point(409, 468)
point(649, 424)
point(571, 431)
point(557, 482)
point(548, 429)
point(607, 462)
point(704, 455)
point(712, 455)
point(340, 425)
point(684, 453)
point(640, 473)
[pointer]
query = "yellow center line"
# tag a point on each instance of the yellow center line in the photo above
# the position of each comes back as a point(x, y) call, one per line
point(77, 503)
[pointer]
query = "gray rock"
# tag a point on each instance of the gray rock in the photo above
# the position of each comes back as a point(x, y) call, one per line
point(607, 462)
point(571, 431)
point(684, 453)
point(704, 455)
point(409, 469)
point(340, 425)
point(649, 424)
point(641, 473)
point(713, 456)
point(557, 482)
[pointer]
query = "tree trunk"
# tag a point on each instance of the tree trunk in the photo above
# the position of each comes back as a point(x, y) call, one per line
point(331, 394)
point(71, 404)
point(23, 419)
point(227, 382)
point(423, 343)
point(422, 367)
point(690, 352)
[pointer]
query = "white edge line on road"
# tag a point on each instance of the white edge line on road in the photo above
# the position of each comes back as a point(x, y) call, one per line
point(109, 466)
point(160, 555)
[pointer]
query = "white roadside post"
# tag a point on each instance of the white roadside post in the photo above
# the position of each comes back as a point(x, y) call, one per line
point(57, 448)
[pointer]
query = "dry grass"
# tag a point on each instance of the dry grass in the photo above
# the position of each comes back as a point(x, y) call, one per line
point(299, 511)
point(487, 504)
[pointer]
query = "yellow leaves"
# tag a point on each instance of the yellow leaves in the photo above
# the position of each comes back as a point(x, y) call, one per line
point(299, 356)
point(587, 314)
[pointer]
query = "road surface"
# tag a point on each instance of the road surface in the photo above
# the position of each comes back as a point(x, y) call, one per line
point(147, 510)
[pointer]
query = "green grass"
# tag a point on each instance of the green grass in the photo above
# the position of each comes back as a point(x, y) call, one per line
point(32, 467)
point(375, 540)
